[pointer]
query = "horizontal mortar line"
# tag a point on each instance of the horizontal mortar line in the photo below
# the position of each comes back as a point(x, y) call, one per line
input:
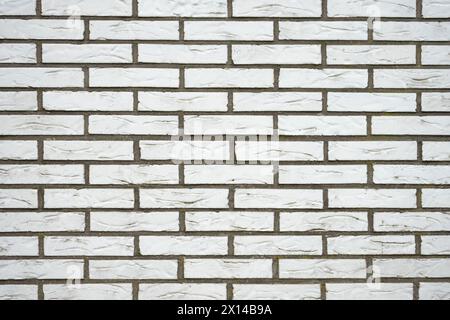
point(281, 186)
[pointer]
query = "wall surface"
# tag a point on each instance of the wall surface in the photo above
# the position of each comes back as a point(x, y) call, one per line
point(214, 149)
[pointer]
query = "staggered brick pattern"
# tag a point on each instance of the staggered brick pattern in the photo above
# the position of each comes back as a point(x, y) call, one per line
point(214, 149)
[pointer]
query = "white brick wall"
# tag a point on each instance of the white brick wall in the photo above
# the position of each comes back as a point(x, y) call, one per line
point(225, 149)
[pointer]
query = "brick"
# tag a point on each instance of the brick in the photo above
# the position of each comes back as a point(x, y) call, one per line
point(435, 9)
point(280, 8)
point(439, 101)
point(88, 101)
point(133, 30)
point(41, 125)
point(140, 125)
point(323, 268)
point(88, 150)
point(371, 54)
point(276, 54)
point(183, 101)
point(228, 268)
point(371, 8)
point(86, 53)
point(85, 291)
point(133, 174)
point(323, 30)
point(41, 77)
point(322, 125)
point(182, 291)
point(41, 221)
point(89, 198)
point(437, 55)
point(229, 30)
point(18, 101)
point(278, 198)
point(86, 7)
point(411, 125)
point(436, 151)
point(133, 77)
point(236, 124)
point(184, 198)
point(168, 53)
point(411, 31)
point(277, 101)
point(185, 150)
point(18, 150)
point(183, 245)
point(434, 291)
point(40, 29)
point(411, 174)
point(411, 78)
point(364, 291)
point(277, 245)
point(17, 7)
point(364, 245)
point(323, 221)
point(178, 8)
point(42, 174)
point(411, 221)
point(435, 245)
point(323, 78)
point(333, 174)
point(436, 198)
point(18, 292)
point(371, 102)
point(17, 53)
point(19, 246)
point(228, 174)
point(134, 221)
point(412, 268)
point(279, 150)
point(38, 269)
point(229, 78)
point(372, 198)
point(276, 292)
point(229, 221)
point(18, 198)
point(133, 269)
point(88, 246)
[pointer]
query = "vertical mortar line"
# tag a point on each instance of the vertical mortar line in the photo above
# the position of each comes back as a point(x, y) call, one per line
point(370, 224)
point(324, 8)
point(182, 221)
point(419, 10)
point(230, 8)
point(419, 55)
point(87, 31)
point(40, 290)
point(181, 29)
point(416, 287)
point(135, 289)
point(323, 54)
point(276, 77)
point(134, 9)
point(135, 53)
point(276, 221)
point(418, 240)
point(229, 291)
point(87, 221)
point(324, 245)
point(38, 8)
point(41, 250)
point(276, 29)
point(86, 275)
point(369, 269)
point(323, 291)
point(180, 273)
point(137, 247)
point(229, 55)
point(230, 245)
point(275, 268)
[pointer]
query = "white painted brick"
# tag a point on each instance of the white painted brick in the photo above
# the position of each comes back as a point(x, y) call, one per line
point(86, 7)
point(88, 246)
point(19, 246)
point(183, 245)
point(41, 174)
point(168, 53)
point(323, 78)
point(434, 291)
point(133, 77)
point(277, 101)
point(276, 292)
point(279, 150)
point(41, 221)
point(333, 174)
point(323, 268)
point(278, 8)
point(228, 174)
point(411, 125)
point(278, 245)
point(412, 78)
point(363, 245)
point(278, 198)
point(133, 174)
point(323, 221)
point(88, 101)
point(185, 150)
point(322, 125)
point(41, 125)
point(17, 7)
point(436, 101)
point(276, 54)
point(115, 291)
point(371, 8)
point(86, 53)
point(371, 102)
point(88, 150)
point(372, 198)
point(18, 150)
point(133, 30)
point(411, 221)
point(17, 53)
point(182, 291)
point(435, 245)
point(367, 291)
point(18, 292)
point(436, 198)
point(436, 55)
point(229, 30)
point(411, 31)
point(371, 54)
point(372, 150)
point(412, 268)
point(435, 9)
point(39, 269)
point(41, 29)
point(235, 124)
point(18, 198)
point(183, 101)
point(229, 78)
point(18, 101)
point(133, 269)
point(323, 30)
point(229, 221)
point(89, 198)
point(184, 198)
point(145, 125)
point(41, 77)
point(411, 174)
point(182, 8)
point(436, 151)
point(228, 268)
point(134, 221)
